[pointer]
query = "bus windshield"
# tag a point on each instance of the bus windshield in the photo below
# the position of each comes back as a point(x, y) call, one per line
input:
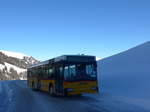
point(80, 72)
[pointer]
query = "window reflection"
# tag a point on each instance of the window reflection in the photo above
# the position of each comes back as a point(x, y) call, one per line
point(72, 70)
point(66, 73)
point(80, 72)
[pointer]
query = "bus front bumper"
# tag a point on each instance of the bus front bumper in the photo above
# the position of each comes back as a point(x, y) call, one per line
point(73, 91)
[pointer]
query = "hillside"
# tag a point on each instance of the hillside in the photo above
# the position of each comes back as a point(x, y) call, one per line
point(127, 74)
point(13, 65)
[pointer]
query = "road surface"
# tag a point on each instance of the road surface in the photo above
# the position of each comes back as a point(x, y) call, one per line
point(15, 96)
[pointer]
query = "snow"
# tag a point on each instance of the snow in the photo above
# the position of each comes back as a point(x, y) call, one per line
point(19, 70)
point(7, 75)
point(127, 75)
point(9, 67)
point(14, 54)
point(97, 58)
point(2, 66)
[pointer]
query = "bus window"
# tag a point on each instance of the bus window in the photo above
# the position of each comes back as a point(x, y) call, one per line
point(72, 71)
point(50, 73)
point(47, 72)
point(90, 71)
point(61, 71)
point(81, 70)
point(66, 73)
point(44, 72)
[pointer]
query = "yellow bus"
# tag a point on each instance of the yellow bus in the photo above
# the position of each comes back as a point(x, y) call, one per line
point(64, 75)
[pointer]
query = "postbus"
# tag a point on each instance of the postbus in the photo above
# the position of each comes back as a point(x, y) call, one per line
point(64, 75)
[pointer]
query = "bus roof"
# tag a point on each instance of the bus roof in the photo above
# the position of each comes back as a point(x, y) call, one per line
point(69, 58)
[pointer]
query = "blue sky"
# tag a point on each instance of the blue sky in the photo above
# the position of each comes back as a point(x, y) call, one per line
point(49, 28)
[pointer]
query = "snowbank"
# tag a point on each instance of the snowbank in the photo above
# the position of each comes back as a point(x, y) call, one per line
point(2, 66)
point(127, 74)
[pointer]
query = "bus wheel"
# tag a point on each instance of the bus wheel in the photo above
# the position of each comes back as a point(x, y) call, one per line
point(34, 86)
point(51, 90)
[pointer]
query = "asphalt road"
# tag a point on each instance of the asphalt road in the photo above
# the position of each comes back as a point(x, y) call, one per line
point(15, 96)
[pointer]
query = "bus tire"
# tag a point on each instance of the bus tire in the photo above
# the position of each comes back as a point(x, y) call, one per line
point(34, 87)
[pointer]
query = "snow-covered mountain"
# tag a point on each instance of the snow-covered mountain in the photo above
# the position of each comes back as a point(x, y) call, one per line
point(13, 65)
point(127, 74)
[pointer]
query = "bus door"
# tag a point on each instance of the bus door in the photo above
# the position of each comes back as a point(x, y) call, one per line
point(59, 80)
